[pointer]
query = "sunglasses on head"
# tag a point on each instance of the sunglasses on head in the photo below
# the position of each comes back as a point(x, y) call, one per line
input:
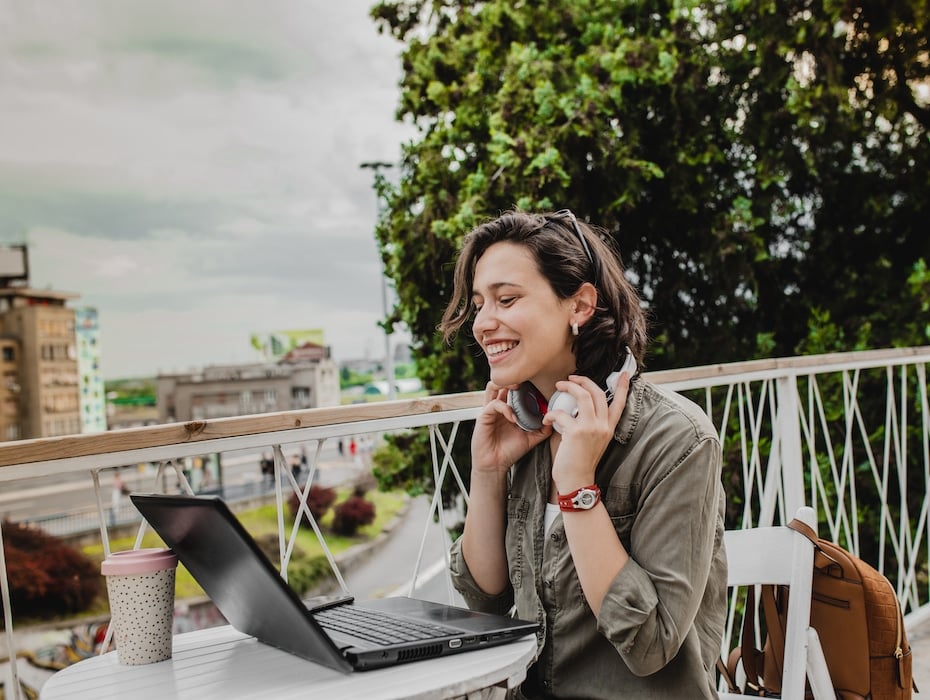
point(562, 214)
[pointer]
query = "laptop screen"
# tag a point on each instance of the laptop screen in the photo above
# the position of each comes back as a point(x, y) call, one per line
point(243, 584)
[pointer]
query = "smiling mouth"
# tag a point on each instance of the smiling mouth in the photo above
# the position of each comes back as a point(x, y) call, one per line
point(495, 349)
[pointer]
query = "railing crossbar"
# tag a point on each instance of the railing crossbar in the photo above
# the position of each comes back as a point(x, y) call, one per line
point(831, 442)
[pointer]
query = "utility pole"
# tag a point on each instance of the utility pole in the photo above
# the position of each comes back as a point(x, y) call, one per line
point(377, 166)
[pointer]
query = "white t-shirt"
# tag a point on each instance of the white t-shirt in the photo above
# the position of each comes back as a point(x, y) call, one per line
point(552, 510)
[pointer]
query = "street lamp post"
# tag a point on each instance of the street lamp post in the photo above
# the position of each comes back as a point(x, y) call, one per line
point(377, 167)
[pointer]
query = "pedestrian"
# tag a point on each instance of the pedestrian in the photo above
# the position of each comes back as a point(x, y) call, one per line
point(601, 519)
point(266, 464)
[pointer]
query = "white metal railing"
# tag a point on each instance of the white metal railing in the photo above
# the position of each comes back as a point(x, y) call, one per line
point(831, 431)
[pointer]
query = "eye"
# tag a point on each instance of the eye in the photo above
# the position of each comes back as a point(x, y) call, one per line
point(507, 301)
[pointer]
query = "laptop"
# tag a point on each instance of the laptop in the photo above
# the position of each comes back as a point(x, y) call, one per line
point(250, 593)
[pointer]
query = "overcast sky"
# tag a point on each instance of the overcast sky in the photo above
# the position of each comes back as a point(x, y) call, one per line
point(191, 169)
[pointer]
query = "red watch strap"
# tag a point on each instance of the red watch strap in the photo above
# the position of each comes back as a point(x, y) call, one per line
point(567, 502)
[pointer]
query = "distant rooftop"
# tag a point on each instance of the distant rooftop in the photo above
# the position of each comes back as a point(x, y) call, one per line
point(37, 293)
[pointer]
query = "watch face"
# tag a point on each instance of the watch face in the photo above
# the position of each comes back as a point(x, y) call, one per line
point(585, 499)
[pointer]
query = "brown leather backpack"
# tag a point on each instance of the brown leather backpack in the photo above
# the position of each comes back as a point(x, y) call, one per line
point(858, 618)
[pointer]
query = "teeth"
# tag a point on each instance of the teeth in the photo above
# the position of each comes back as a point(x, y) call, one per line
point(498, 348)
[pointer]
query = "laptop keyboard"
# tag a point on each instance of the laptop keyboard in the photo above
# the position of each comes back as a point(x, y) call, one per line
point(379, 627)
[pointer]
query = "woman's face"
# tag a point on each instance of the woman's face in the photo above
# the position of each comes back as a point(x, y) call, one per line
point(522, 326)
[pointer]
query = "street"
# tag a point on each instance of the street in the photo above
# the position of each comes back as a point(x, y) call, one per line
point(53, 496)
point(389, 570)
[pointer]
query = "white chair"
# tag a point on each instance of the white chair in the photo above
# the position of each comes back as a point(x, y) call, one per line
point(779, 555)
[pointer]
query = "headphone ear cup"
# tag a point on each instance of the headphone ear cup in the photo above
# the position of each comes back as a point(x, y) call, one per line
point(525, 407)
point(563, 401)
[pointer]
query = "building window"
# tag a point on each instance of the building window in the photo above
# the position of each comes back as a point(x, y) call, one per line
point(301, 396)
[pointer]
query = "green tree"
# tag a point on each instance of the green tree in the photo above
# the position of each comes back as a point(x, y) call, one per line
point(754, 160)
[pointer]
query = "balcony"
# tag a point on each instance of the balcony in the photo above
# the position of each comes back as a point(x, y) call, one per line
point(840, 432)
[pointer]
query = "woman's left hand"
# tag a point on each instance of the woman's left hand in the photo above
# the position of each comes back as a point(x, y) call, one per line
point(585, 436)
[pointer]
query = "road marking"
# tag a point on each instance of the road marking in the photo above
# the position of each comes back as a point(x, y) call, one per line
point(424, 577)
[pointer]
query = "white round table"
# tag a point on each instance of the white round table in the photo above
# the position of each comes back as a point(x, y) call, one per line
point(221, 663)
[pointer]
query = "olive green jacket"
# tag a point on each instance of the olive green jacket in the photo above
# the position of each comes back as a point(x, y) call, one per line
point(660, 625)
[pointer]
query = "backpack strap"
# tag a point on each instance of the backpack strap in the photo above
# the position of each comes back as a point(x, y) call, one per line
point(804, 529)
point(726, 671)
point(774, 601)
point(772, 657)
point(751, 657)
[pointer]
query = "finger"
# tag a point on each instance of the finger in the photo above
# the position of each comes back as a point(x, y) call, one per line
point(621, 392)
point(584, 391)
point(492, 391)
point(497, 405)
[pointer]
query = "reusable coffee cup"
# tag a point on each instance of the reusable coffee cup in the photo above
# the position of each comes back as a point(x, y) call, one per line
point(140, 586)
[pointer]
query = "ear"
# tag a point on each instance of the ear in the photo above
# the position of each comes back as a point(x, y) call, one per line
point(584, 302)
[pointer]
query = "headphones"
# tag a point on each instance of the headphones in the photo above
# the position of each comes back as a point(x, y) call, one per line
point(529, 406)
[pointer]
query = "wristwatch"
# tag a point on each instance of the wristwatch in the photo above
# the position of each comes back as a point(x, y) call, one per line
point(584, 498)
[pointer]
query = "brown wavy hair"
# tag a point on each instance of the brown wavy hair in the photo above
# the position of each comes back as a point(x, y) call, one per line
point(618, 321)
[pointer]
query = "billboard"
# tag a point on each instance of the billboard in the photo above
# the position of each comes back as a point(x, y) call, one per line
point(273, 346)
point(14, 263)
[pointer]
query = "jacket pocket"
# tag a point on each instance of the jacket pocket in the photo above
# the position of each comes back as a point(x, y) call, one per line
point(621, 506)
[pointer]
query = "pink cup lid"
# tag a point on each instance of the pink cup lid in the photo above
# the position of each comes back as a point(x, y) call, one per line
point(138, 561)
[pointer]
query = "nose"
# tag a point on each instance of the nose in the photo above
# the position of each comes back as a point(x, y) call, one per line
point(484, 321)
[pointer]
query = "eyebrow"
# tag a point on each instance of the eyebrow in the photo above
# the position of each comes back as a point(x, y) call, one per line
point(495, 286)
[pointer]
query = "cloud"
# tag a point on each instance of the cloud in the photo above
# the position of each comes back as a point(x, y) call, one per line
point(192, 169)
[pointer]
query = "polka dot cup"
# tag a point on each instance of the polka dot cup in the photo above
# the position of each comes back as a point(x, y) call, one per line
point(140, 585)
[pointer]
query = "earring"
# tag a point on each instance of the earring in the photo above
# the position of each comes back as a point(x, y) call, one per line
point(575, 328)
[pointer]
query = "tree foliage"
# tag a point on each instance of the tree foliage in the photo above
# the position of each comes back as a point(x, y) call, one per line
point(763, 165)
point(753, 159)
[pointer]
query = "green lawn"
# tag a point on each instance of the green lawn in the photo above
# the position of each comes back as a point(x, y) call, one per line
point(262, 523)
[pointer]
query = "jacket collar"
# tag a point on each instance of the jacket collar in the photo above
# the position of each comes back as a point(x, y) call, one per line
point(632, 411)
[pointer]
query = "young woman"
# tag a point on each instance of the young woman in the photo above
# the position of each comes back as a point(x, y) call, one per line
point(601, 519)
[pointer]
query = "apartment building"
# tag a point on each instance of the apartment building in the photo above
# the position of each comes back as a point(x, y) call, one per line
point(306, 377)
point(40, 391)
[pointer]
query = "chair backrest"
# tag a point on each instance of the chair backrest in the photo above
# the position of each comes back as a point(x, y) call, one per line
point(779, 555)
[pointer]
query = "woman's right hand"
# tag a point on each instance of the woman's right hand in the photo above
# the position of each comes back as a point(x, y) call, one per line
point(498, 441)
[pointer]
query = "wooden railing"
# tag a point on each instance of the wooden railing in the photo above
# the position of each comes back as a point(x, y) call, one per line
point(846, 433)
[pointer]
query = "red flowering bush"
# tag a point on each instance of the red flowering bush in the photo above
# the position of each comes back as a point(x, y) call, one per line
point(351, 514)
point(319, 500)
point(47, 577)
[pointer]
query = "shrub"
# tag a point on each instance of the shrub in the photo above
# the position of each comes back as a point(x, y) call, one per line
point(271, 547)
point(351, 514)
point(306, 573)
point(319, 501)
point(47, 577)
point(303, 572)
